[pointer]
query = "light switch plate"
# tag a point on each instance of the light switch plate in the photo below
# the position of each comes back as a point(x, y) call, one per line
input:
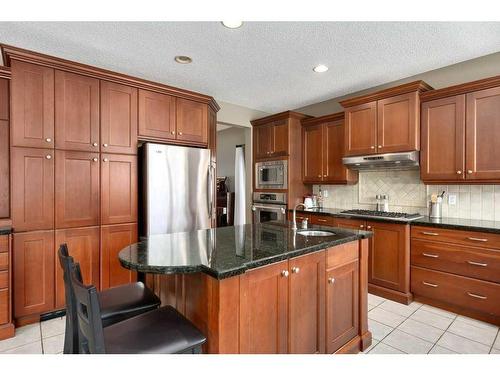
point(452, 199)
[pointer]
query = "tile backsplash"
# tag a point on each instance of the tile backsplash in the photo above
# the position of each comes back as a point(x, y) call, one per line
point(408, 193)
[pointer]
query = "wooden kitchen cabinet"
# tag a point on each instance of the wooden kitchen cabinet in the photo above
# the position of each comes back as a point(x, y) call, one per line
point(83, 246)
point(263, 141)
point(191, 121)
point(76, 112)
point(280, 138)
point(312, 141)
point(156, 115)
point(118, 118)
point(356, 224)
point(271, 139)
point(361, 129)
point(113, 239)
point(33, 193)
point(4, 144)
point(77, 189)
point(32, 105)
point(119, 193)
point(33, 271)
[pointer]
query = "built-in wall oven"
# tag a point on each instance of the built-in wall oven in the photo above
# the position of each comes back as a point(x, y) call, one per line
point(271, 174)
point(269, 207)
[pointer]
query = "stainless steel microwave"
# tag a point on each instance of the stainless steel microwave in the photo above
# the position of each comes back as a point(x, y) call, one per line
point(271, 174)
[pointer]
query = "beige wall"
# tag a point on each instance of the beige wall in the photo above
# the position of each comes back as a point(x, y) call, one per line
point(232, 114)
point(470, 70)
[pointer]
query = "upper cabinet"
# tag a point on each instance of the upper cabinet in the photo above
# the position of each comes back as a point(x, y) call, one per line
point(191, 121)
point(323, 148)
point(385, 121)
point(460, 127)
point(271, 139)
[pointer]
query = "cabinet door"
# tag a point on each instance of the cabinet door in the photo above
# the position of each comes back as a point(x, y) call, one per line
point(156, 115)
point(389, 256)
point(483, 135)
point(342, 305)
point(361, 129)
point(350, 223)
point(264, 310)
point(118, 118)
point(191, 121)
point(77, 189)
point(4, 99)
point(334, 170)
point(306, 334)
point(76, 112)
point(312, 138)
point(280, 138)
point(83, 246)
point(118, 189)
point(398, 128)
point(114, 238)
point(263, 141)
point(33, 260)
point(33, 195)
point(4, 170)
point(32, 105)
point(443, 139)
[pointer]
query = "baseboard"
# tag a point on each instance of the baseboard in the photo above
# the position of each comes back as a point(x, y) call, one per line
point(352, 347)
point(393, 295)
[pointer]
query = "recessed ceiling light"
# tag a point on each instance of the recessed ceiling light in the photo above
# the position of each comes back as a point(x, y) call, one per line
point(320, 68)
point(232, 24)
point(183, 59)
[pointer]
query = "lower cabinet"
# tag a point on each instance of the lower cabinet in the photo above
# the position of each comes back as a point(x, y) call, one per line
point(113, 239)
point(33, 260)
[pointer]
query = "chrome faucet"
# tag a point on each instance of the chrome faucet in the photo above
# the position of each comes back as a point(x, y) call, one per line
point(294, 225)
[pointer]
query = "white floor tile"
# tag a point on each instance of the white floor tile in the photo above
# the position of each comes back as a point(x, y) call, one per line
point(485, 334)
point(371, 307)
point(475, 323)
point(375, 300)
point(434, 320)
point(53, 345)
point(407, 343)
point(385, 317)
point(367, 350)
point(437, 311)
point(378, 330)
point(495, 351)
point(496, 345)
point(33, 348)
point(421, 330)
point(382, 348)
point(24, 335)
point(440, 350)
point(399, 308)
point(53, 327)
point(462, 345)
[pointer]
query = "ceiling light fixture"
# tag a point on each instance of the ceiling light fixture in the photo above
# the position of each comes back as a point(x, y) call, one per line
point(232, 24)
point(183, 59)
point(320, 68)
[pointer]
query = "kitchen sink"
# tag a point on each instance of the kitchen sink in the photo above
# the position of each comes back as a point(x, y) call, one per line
point(315, 233)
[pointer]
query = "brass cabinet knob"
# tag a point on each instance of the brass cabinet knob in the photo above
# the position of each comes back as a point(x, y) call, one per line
point(324, 175)
point(295, 269)
point(48, 140)
point(369, 227)
point(469, 171)
point(95, 144)
point(284, 273)
point(48, 157)
point(180, 133)
point(459, 172)
point(172, 132)
point(331, 280)
point(104, 145)
point(319, 176)
point(379, 146)
point(361, 226)
point(95, 159)
point(372, 147)
point(105, 159)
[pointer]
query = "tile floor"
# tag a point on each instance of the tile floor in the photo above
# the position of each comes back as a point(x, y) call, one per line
point(396, 329)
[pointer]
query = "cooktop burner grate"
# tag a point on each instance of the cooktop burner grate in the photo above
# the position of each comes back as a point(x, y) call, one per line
point(388, 215)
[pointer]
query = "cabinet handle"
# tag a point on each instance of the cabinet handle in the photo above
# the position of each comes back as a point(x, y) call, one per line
point(331, 280)
point(295, 269)
point(430, 233)
point(105, 145)
point(369, 227)
point(469, 171)
point(325, 175)
point(48, 157)
point(95, 159)
point(322, 220)
point(379, 146)
point(477, 263)
point(478, 296)
point(172, 132)
point(372, 147)
point(429, 284)
point(459, 172)
point(48, 140)
point(361, 226)
point(105, 159)
point(180, 133)
point(430, 255)
point(284, 273)
point(477, 239)
point(94, 144)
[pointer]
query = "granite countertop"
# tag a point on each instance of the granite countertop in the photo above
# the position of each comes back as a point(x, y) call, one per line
point(5, 231)
point(227, 251)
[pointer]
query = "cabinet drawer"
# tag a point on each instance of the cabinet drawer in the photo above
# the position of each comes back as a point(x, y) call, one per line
point(479, 263)
point(4, 244)
point(4, 279)
point(4, 306)
point(459, 237)
point(481, 296)
point(322, 220)
point(342, 254)
point(4, 261)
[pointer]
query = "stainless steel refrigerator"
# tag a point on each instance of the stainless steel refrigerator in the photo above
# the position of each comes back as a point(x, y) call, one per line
point(177, 189)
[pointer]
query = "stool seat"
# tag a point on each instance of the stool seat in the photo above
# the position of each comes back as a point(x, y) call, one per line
point(160, 331)
point(125, 301)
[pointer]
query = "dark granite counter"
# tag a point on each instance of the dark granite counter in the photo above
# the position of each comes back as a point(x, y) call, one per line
point(5, 230)
point(227, 251)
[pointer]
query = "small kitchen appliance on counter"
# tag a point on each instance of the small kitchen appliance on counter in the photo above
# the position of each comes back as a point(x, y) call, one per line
point(436, 206)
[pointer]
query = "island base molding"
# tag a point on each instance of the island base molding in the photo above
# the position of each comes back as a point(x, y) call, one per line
point(393, 295)
point(6, 331)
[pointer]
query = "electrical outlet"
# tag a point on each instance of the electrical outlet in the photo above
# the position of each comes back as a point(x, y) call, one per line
point(452, 199)
point(325, 193)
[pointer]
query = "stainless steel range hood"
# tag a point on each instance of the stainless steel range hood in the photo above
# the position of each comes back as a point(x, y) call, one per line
point(399, 160)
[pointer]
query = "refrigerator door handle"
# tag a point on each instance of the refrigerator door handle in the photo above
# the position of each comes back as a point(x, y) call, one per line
point(210, 191)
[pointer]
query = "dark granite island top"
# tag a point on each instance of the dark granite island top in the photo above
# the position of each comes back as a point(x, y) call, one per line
point(227, 251)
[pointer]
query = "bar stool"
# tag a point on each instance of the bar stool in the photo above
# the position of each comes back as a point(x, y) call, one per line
point(117, 304)
point(159, 331)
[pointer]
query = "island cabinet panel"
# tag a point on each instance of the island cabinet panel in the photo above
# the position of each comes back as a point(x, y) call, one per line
point(191, 121)
point(156, 115)
point(76, 112)
point(32, 105)
point(119, 194)
point(264, 310)
point(361, 129)
point(312, 138)
point(443, 139)
point(483, 129)
point(118, 118)
point(307, 304)
point(33, 192)
point(83, 246)
point(113, 239)
point(263, 141)
point(77, 189)
point(33, 271)
point(349, 223)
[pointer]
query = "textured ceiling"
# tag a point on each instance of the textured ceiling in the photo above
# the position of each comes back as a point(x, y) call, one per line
point(262, 65)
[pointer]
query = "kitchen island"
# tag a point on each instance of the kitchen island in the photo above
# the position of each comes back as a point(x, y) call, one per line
point(263, 288)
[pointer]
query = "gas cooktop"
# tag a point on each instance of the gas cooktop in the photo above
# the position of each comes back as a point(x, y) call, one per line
point(396, 216)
